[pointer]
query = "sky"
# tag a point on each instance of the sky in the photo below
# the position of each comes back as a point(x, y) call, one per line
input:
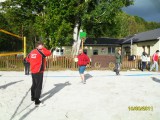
point(149, 10)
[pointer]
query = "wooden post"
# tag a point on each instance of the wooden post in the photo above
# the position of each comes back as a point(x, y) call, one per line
point(82, 46)
point(82, 37)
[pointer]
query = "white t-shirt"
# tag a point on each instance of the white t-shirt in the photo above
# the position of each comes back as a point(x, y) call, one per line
point(144, 58)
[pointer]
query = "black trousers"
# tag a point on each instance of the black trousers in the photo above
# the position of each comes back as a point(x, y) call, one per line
point(143, 65)
point(27, 67)
point(117, 68)
point(37, 81)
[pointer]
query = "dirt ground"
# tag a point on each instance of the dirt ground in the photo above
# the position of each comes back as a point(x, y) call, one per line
point(134, 95)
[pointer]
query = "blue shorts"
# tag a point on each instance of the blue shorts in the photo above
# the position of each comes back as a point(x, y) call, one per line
point(82, 69)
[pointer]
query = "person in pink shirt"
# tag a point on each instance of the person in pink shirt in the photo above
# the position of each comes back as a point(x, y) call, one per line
point(155, 61)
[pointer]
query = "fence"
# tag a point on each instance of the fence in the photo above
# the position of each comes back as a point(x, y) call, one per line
point(15, 63)
point(11, 63)
point(53, 63)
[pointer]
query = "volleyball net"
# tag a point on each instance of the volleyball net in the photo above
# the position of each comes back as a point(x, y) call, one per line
point(12, 44)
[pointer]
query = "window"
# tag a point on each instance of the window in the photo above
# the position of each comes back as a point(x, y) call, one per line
point(95, 52)
point(59, 51)
point(111, 50)
point(62, 50)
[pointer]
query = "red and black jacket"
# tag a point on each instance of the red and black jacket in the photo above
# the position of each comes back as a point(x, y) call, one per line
point(37, 60)
point(83, 59)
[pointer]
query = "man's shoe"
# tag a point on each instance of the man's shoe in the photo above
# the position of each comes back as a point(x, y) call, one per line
point(39, 105)
point(117, 74)
point(37, 101)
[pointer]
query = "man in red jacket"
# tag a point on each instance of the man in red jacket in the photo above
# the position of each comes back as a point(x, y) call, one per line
point(83, 60)
point(37, 61)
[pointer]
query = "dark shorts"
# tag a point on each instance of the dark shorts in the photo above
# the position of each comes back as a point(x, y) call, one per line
point(82, 69)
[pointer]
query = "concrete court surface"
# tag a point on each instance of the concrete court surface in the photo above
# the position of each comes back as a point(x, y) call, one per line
point(134, 95)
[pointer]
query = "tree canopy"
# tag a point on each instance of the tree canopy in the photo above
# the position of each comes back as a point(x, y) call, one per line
point(53, 21)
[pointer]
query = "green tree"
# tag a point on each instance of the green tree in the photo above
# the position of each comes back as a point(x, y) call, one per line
point(54, 21)
point(58, 22)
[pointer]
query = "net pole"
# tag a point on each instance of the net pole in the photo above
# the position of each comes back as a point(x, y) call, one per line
point(24, 47)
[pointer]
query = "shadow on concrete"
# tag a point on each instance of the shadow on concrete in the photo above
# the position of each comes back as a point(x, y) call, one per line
point(9, 84)
point(155, 79)
point(48, 95)
point(14, 114)
point(88, 76)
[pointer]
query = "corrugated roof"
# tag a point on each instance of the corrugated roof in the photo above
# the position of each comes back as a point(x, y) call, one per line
point(144, 36)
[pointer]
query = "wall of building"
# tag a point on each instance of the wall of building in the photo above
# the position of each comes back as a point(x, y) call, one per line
point(102, 50)
point(150, 47)
point(137, 48)
point(67, 50)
